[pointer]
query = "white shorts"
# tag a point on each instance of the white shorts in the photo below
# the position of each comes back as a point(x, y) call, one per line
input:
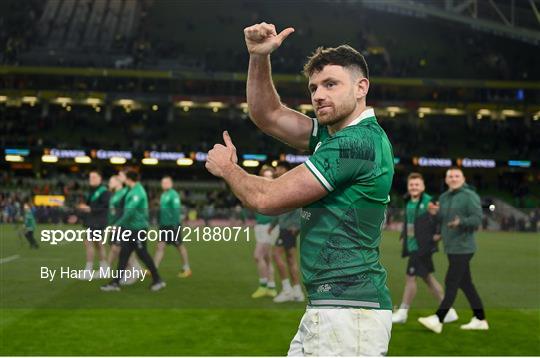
point(342, 332)
point(262, 235)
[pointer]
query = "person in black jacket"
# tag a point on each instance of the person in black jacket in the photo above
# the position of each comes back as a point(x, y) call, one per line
point(95, 211)
point(419, 240)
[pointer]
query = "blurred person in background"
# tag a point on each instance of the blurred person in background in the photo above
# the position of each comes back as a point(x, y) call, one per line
point(170, 208)
point(29, 226)
point(265, 238)
point(419, 244)
point(459, 213)
point(95, 211)
point(135, 218)
point(116, 207)
point(289, 228)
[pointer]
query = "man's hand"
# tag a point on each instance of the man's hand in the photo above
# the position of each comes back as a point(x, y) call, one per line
point(433, 208)
point(221, 157)
point(262, 39)
point(454, 223)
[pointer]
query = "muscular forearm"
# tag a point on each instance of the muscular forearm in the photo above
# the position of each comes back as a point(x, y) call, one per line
point(262, 97)
point(247, 188)
point(253, 191)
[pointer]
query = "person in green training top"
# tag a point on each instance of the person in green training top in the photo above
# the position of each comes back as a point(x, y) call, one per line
point(95, 211)
point(135, 218)
point(116, 207)
point(418, 239)
point(289, 227)
point(265, 238)
point(342, 188)
point(29, 226)
point(169, 225)
point(459, 213)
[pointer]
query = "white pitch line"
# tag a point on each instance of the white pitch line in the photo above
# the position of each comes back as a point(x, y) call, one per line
point(9, 258)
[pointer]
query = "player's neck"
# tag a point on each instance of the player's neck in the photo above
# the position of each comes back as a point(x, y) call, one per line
point(333, 128)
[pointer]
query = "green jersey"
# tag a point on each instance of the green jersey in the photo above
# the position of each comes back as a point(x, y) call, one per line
point(341, 233)
point(135, 213)
point(169, 208)
point(412, 214)
point(29, 221)
point(261, 219)
point(116, 205)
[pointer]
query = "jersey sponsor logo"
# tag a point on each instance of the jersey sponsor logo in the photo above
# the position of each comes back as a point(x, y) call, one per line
point(306, 215)
point(324, 288)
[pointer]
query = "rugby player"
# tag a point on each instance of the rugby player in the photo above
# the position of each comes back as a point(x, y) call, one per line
point(343, 189)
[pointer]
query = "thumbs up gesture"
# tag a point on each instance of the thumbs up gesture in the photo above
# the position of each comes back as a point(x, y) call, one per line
point(221, 157)
point(263, 39)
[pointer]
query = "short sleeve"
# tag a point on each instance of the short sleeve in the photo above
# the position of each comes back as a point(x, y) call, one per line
point(342, 160)
point(314, 135)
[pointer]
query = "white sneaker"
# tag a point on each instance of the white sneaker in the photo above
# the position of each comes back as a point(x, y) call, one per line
point(127, 282)
point(298, 296)
point(400, 316)
point(87, 275)
point(432, 323)
point(103, 272)
point(451, 316)
point(158, 286)
point(284, 296)
point(476, 324)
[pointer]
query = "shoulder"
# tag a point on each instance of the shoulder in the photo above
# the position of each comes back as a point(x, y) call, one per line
point(355, 143)
point(444, 195)
point(471, 193)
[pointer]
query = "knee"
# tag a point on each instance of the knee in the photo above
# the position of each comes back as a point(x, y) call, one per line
point(410, 281)
point(258, 255)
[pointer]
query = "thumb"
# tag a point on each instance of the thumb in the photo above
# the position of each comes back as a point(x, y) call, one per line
point(227, 140)
point(283, 34)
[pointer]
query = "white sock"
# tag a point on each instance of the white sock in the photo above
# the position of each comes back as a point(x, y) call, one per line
point(286, 285)
point(185, 267)
point(404, 306)
point(103, 264)
point(297, 289)
point(89, 265)
point(271, 284)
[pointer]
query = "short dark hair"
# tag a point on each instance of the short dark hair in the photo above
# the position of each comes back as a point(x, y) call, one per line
point(132, 175)
point(343, 55)
point(455, 168)
point(415, 175)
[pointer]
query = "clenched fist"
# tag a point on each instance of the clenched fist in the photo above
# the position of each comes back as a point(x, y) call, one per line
point(262, 39)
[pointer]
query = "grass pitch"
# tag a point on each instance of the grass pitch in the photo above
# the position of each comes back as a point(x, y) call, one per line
point(212, 313)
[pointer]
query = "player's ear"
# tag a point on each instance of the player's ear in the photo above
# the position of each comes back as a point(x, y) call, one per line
point(362, 87)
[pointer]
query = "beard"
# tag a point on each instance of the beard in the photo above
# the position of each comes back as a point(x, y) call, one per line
point(336, 113)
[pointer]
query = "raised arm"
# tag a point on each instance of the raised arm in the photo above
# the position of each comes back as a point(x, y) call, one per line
point(265, 107)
